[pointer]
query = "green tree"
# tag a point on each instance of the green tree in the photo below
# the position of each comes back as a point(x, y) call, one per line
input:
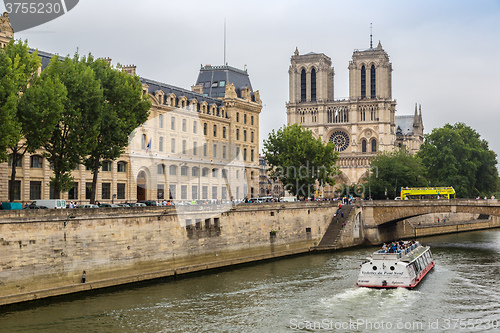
point(74, 135)
point(123, 108)
point(455, 155)
point(298, 160)
point(391, 170)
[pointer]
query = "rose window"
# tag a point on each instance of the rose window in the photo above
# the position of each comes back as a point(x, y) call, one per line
point(340, 139)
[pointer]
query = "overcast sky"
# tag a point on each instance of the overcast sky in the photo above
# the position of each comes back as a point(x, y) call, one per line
point(445, 54)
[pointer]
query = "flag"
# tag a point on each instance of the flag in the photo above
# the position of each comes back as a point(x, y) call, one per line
point(148, 147)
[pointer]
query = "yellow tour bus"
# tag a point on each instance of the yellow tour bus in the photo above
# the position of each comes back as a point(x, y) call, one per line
point(427, 193)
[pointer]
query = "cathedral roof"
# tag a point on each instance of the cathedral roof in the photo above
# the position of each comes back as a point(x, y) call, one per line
point(404, 124)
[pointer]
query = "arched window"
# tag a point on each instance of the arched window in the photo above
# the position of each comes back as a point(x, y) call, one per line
point(363, 82)
point(195, 172)
point(374, 146)
point(173, 170)
point(121, 166)
point(184, 170)
point(303, 82)
point(372, 80)
point(161, 169)
point(204, 172)
point(313, 85)
point(363, 146)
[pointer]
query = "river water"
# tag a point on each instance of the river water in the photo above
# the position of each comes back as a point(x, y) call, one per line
point(310, 293)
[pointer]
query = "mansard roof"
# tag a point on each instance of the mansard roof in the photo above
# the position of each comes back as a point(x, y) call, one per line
point(211, 76)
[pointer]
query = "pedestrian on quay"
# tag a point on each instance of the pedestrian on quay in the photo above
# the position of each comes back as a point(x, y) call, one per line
point(84, 277)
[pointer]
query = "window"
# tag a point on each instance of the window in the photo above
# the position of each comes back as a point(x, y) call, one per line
point(205, 149)
point(244, 154)
point(223, 151)
point(214, 192)
point(106, 166)
point(72, 193)
point(36, 161)
point(173, 191)
point(17, 189)
point(143, 142)
point(215, 150)
point(160, 121)
point(195, 172)
point(122, 166)
point(363, 146)
point(172, 123)
point(205, 128)
point(303, 82)
point(184, 170)
point(224, 193)
point(207, 84)
point(374, 146)
point(363, 82)
point(244, 135)
point(53, 193)
point(237, 174)
point(215, 173)
point(237, 134)
point(372, 80)
point(106, 191)
point(215, 84)
point(195, 124)
point(313, 85)
point(237, 117)
point(194, 192)
point(195, 148)
point(19, 163)
point(172, 146)
point(251, 137)
point(120, 191)
point(184, 146)
point(88, 190)
point(223, 132)
point(237, 153)
point(222, 83)
point(251, 175)
point(204, 192)
point(184, 192)
point(173, 170)
point(244, 119)
point(215, 131)
point(160, 191)
point(184, 125)
point(251, 120)
point(224, 173)
point(160, 142)
point(204, 172)
point(251, 155)
point(161, 169)
point(36, 190)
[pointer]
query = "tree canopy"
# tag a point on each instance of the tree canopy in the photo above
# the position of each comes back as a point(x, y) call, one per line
point(391, 170)
point(455, 155)
point(298, 160)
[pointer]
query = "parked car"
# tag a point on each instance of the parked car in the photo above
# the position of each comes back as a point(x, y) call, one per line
point(137, 204)
point(35, 207)
point(11, 205)
point(149, 202)
point(107, 205)
point(88, 206)
point(51, 203)
point(123, 205)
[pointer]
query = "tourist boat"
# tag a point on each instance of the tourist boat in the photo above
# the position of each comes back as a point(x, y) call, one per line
point(404, 268)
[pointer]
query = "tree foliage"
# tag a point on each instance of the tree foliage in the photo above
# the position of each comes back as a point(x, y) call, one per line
point(74, 135)
point(391, 170)
point(123, 108)
point(455, 155)
point(298, 160)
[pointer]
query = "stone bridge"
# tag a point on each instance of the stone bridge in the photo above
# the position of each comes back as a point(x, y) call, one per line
point(389, 211)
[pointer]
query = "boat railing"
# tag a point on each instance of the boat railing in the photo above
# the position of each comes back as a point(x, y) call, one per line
point(401, 252)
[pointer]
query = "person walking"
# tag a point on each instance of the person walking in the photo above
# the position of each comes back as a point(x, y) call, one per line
point(84, 277)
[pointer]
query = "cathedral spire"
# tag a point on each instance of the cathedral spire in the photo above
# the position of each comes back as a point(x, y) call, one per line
point(371, 39)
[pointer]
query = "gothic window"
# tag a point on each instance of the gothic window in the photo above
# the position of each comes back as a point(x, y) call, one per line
point(374, 146)
point(303, 85)
point(340, 139)
point(363, 82)
point(372, 79)
point(313, 85)
point(363, 146)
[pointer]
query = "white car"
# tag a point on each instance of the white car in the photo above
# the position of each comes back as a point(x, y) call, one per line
point(88, 206)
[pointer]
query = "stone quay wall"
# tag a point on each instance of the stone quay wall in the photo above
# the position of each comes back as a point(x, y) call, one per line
point(43, 253)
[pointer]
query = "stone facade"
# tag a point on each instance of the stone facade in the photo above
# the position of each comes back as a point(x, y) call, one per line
point(195, 145)
point(360, 125)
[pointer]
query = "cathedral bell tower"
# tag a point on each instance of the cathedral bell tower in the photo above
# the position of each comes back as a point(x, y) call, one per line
point(6, 31)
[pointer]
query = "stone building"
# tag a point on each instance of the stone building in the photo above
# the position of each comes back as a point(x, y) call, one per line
point(360, 125)
point(197, 144)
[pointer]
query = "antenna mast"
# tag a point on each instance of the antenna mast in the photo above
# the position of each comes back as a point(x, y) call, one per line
point(225, 42)
point(371, 42)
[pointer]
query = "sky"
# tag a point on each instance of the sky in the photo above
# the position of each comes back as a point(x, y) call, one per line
point(444, 53)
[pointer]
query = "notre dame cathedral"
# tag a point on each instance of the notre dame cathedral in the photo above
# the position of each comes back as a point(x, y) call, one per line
point(360, 125)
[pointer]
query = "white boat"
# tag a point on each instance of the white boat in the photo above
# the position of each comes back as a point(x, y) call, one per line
point(404, 267)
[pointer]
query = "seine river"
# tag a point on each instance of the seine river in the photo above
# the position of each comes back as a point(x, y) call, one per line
point(311, 293)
